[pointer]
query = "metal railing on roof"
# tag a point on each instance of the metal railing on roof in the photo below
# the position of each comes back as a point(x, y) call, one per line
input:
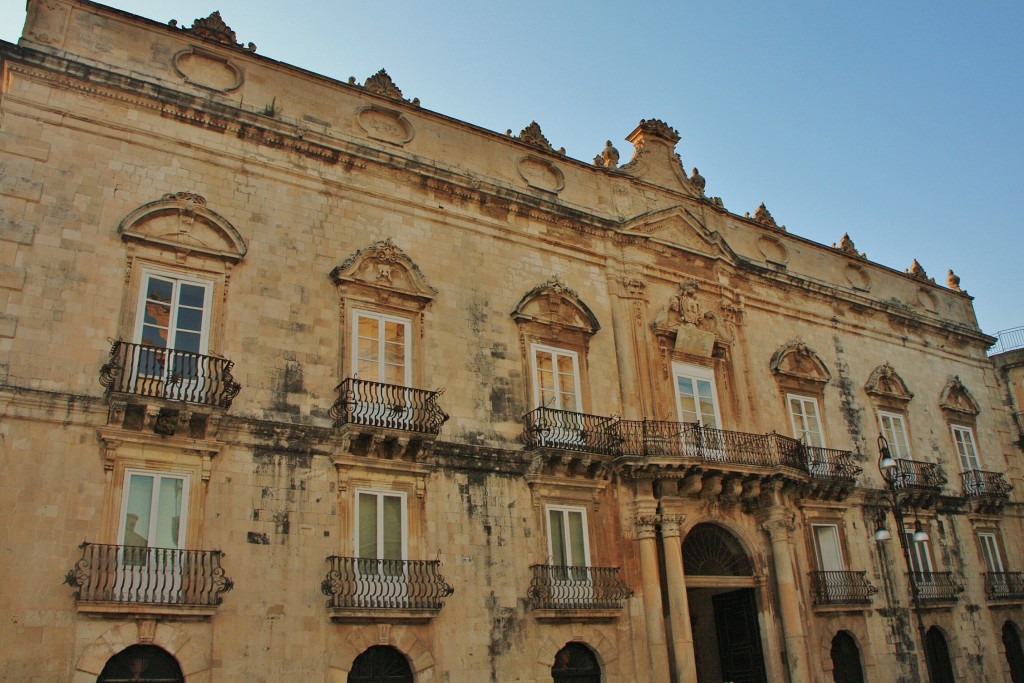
point(1008, 340)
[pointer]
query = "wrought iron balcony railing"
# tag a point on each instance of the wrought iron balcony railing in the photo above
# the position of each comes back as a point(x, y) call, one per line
point(978, 483)
point(691, 440)
point(556, 587)
point(937, 586)
point(177, 375)
point(841, 588)
point(567, 430)
point(1004, 585)
point(151, 576)
point(388, 406)
point(913, 474)
point(830, 463)
point(359, 583)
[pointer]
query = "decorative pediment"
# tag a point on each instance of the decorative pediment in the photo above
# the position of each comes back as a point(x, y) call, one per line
point(655, 159)
point(183, 223)
point(678, 227)
point(956, 399)
point(555, 305)
point(798, 361)
point(213, 28)
point(382, 265)
point(884, 382)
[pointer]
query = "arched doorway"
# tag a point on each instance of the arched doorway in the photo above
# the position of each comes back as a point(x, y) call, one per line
point(142, 664)
point(1014, 651)
point(575, 663)
point(380, 664)
point(846, 659)
point(723, 608)
point(937, 652)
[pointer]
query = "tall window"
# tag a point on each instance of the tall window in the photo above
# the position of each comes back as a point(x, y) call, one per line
point(154, 509)
point(963, 438)
point(828, 548)
point(382, 349)
point(895, 432)
point(920, 555)
point(803, 414)
point(696, 399)
point(990, 551)
point(555, 378)
point(381, 529)
point(568, 545)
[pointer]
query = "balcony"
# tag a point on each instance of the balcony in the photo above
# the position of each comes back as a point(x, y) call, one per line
point(401, 590)
point(170, 374)
point(1004, 586)
point(558, 592)
point(387, 406)
point(133, 579)
point(841, 588)
point(569, 431)
point(988, 491)
point(918, 482)
point(937, 586)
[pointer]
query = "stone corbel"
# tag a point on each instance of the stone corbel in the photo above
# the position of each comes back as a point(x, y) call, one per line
point(421, 487)
point(109, 454)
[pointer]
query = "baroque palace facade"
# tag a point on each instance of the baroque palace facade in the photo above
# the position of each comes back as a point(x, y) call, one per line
point(304, 382)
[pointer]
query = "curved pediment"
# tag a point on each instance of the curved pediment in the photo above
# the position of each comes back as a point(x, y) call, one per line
point(957, 399)
point(678, 227)
point(798, 361)
point(382, 265)
point(555, 305)
point(182, 222)
point(885, 382)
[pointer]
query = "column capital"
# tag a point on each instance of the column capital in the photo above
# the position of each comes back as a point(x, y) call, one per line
point(779, 523)
point(646, 525)
point(670, 525)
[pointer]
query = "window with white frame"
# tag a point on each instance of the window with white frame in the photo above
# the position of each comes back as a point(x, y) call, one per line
point(381, 532)
point(895, 432)
point(382, 348)
point(556, 381)
point(803, 415)
point(828, 547)
point(568, 545)
point(920, 555)
point(963, 439)
point(990, 551)
point(696, 398)
point(172, 328)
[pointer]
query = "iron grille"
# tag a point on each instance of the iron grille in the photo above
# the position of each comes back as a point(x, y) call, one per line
point(978, 483)
point(913, 474)
point(156, 576)
point(354, 582)
point(576, 588)
point(571, 431)
point(841, 588)
point(177, 375)
point(389, 406)
point(1004, 585)
point(830, 463)
point(937, 586)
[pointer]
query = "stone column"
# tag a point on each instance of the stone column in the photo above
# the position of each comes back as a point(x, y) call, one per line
point(645, 526)
point(679, 606)
point(779, 523)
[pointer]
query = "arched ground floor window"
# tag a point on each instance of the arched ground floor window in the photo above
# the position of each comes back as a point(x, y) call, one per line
point(575, 663)
point(380, 664)
point(1014, 651)
point(846, 659)
point(937, 651)
point(142, 664)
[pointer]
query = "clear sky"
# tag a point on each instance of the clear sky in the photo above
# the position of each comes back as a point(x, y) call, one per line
point(900, 123)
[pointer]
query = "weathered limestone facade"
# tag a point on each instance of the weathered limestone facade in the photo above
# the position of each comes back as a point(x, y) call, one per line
point(233, 289)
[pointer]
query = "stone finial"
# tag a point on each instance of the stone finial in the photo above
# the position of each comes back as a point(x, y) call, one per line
point(953, 281)
point(609, 156)
point(764, 217)
point(532, 135)
point(214, 28)
point(917, 271)
point(697, 180)
point(847, 246)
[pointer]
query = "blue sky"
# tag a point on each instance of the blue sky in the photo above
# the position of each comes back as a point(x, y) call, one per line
point(897, 122)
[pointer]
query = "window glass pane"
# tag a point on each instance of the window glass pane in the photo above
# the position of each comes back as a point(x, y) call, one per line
point(990, 550)
point(687, 402)
point(192, 296)
point(137, 510)
point(190, 319)
point(707, 404)
point(367, 504)
point(896, 435)
point(557, 530)
point(154, 336)
point(829, 554)
point(394, 332)
point(168, 513)
point(392, 541)
point(576, 534)
point(187, 341)
point(964, 439)
point(159, 291)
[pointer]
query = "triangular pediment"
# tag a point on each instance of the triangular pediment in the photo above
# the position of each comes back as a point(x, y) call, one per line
point(886, 383)
point(384, 266)
point(957, 399)
point(798, 361)
point(678, 227)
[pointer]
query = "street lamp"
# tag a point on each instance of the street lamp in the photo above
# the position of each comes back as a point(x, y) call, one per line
point(894, 478)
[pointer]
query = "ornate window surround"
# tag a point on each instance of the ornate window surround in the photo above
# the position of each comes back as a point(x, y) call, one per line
point(800, 372)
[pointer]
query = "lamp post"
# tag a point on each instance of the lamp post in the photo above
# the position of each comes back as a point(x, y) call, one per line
point(895, 478)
